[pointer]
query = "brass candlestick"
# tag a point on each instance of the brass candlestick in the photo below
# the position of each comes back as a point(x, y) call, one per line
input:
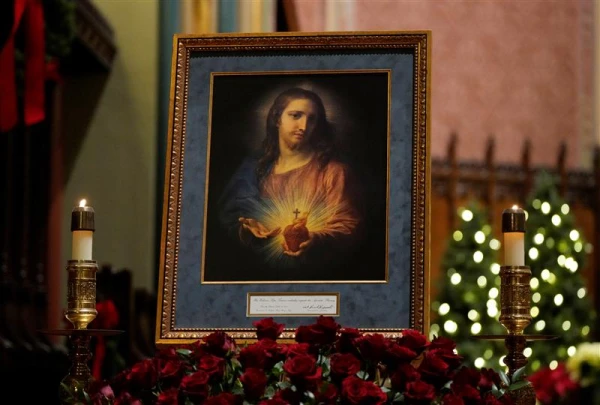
point(74, 386)
point(81, 292)
point(515, 316)
point(515, 298)
point(81, 307)
point(515, 302)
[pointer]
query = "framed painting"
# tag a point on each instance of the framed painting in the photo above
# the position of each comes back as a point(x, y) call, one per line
point(296, 183)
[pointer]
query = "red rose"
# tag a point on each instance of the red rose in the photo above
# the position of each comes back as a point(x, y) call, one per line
point(213, 366)
point(273, 351)
point(167, 353)
point(296, 349)
point(326, 393)
point(397, 354)
point(372, 347)
point(100, 392)
point(404, 374)
point(356, 391)
point(467, 376)
point(452, 399)
point(323, 332)
point(172, 371)
point(329, 327)
point(143, 374)
point(442, 342)
point(224, 398)
point(126, 399)
point(433, 369)
point(254, 382)
point(168, 397)
point(268, 328)
point(449, 356)
point(219, 343)
point(344, 365)
point(488, 379)
point(345, 343)
point(198, 348)
point(551, 385)
point(308, 334)
point(302, 370)
point(195, 385)
point(466, 391)
point(287, 396)
point(419, 391)
point(253, 356)
point(276, 400)
point(413, 340)
point(121, 381)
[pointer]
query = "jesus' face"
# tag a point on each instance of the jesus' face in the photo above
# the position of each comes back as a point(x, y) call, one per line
point(297, 123)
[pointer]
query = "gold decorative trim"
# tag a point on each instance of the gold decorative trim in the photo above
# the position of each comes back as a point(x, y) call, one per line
point(417, 41)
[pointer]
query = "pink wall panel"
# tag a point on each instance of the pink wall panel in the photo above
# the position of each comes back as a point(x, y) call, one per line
point(511, 69)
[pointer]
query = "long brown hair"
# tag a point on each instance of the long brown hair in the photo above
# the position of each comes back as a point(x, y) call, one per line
point(321, 140)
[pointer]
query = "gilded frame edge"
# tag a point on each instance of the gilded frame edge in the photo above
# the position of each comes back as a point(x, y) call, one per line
point(183, 44)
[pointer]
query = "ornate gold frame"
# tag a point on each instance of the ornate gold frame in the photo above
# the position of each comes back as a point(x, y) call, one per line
point(183, 46)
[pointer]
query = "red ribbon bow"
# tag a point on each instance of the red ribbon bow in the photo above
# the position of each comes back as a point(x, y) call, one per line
point(30, 13)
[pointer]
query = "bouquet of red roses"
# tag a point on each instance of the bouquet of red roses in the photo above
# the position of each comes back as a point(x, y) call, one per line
point(327, 364)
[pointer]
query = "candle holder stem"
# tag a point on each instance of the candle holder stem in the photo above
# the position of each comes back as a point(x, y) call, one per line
point(74, 385)
point(515, 316)
point(515, 359)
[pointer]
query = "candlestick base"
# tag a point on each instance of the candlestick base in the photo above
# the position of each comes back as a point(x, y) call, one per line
point(515, 316)
point(81, 292)
point(515, 359)
point(75, 385)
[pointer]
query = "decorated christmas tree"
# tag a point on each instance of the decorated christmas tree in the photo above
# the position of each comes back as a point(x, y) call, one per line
point(468, 302)
point(556, 252)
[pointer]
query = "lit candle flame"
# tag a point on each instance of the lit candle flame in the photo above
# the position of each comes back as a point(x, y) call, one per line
point(514, 207)
point(82, 203)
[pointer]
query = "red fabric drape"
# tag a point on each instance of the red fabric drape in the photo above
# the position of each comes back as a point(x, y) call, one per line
point(107, 318)
point(29, 13)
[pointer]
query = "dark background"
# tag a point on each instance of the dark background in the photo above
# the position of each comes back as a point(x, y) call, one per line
point(357, 106)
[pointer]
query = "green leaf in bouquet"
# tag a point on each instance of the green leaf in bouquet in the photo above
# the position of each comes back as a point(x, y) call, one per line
point(282, 385)
point(184, 352)
point(235, 364)
point(270, 392)
point(518, 375)
point(504, 378)
point(277, 370)
point(238, 388)
point(518, 384)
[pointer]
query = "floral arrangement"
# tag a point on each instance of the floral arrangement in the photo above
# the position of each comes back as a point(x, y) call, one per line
point(327, 364)
point(575, 381)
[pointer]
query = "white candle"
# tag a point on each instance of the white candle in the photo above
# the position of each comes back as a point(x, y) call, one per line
point(82, 228)
point(513, 228)
point(82, 245)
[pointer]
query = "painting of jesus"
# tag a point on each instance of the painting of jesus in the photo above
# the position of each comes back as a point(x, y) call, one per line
point(302, 197)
